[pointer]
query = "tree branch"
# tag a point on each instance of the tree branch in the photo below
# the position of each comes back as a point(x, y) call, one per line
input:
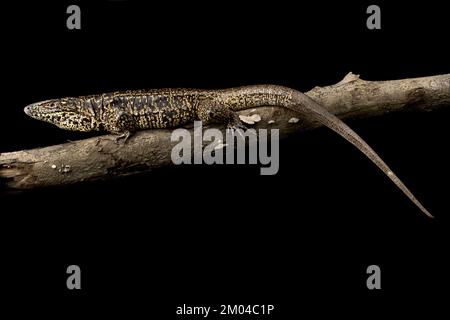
point(101, 158)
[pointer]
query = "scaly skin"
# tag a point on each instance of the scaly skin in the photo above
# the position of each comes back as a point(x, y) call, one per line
point(126, 112)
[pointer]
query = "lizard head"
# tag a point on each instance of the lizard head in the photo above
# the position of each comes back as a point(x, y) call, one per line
point(66, 113)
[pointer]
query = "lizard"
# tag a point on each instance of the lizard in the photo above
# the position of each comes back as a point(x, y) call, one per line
point(125, 112)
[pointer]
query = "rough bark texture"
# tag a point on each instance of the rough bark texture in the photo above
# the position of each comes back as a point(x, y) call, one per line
point(101, 158)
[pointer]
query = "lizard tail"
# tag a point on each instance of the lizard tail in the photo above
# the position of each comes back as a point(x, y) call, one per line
point(256, 96)
point(334, 123)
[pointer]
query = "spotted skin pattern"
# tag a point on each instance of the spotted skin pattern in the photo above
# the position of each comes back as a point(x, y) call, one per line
point(126, 112)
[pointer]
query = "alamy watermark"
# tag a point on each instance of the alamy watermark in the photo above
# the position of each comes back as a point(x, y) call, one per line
point(374, 20)
point(74, 19)
point(235, 144)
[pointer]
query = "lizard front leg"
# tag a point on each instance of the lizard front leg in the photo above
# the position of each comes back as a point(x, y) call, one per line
point(121, 124)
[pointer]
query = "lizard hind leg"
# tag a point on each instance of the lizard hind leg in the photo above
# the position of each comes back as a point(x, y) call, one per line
point(235, 123)
point(211, 111)
point(122, 137)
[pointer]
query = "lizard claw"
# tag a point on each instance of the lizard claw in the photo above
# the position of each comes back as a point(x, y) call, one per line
point(233, 129)
point(240, 128)
point(237, 126)
point(123, 137)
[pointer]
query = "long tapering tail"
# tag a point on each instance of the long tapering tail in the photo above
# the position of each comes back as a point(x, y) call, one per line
point(261, 95)
point(334, 123)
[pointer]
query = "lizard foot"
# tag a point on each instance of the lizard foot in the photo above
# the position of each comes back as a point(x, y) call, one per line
point(239, 127)
point(236, 124)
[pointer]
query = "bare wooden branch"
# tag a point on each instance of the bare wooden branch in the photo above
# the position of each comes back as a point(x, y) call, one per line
point(101, 158)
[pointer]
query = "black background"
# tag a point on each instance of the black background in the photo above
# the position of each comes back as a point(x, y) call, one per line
point(202, 235)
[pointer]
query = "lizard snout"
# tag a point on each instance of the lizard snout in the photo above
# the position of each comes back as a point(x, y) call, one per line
point(33, 110)
point(27, 110)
